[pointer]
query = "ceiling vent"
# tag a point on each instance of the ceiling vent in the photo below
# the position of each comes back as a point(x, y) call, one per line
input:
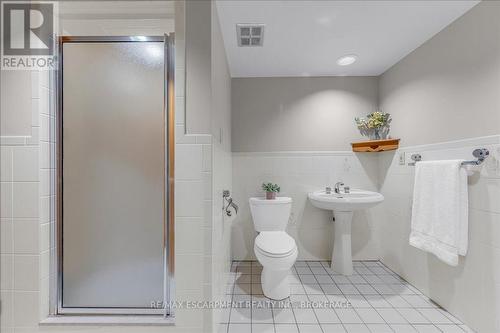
point(250, 34)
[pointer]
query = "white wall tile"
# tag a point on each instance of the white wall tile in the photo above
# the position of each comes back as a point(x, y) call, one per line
point(26, 273)
point(44, 295)
point(484, 194)
point(188, 162)
point(204, 139)
point(189, 235)
point(207, 158)
point(45, 155)
point(44, 237)
point(16, 103)
point(5, 164)
point(44, 266)
point(191, 268)
point(189, 198)
point(35, 116)
point(298, 174)
point(6, 199)
point(47, 182)
point(12, 141)
point(44, 128)
point(25, 305)
point(34, 139)
point(207, 213)
point(181, 137)
point(7, 236)
point(44, 107)
point(25, 164)
point(180, 116)
point(35, 84)
point(207, 185)
point(6, 272)
point(7, 314)
point(26, 200)
point(26, 235)
point(45, 209)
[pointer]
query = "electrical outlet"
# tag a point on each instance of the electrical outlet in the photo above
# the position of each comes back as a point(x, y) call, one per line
point(402, 158)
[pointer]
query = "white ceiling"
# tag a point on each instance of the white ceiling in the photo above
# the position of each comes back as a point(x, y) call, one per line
point(113, 9)
point(305, 38)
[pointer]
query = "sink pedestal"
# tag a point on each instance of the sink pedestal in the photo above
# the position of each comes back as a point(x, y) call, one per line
point(343, 204)
point(342, 252)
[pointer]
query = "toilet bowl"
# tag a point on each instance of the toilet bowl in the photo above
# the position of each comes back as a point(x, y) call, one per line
point(274, 248)
point(277, 252)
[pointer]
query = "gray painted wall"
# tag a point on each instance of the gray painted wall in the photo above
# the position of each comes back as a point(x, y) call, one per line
point(221, 88)
point(299, 113)
point(198, 66)
point(448, 89)
point(16, 102)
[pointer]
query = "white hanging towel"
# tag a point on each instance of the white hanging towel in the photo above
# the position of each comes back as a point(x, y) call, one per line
point(439, 221)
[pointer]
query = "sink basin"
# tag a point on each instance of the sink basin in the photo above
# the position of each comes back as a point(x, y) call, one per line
point(343, 205)
point(348, 202)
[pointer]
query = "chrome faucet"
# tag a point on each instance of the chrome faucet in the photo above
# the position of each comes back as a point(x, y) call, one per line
point(337, 187)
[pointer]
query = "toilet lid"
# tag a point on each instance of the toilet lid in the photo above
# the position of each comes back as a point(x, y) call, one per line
point(275, 243)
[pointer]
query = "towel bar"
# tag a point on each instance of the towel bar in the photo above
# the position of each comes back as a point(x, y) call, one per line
point(415, 158)
point(480, 154)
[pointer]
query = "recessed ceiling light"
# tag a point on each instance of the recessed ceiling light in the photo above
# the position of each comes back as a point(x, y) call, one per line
point(347, 60)
point(324, 21)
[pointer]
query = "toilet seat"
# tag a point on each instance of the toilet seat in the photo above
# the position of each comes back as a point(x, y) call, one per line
point(276, 244)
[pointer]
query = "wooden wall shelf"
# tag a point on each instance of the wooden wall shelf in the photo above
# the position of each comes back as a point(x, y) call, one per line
point(375, 145)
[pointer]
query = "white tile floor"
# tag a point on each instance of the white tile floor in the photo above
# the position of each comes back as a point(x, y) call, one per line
point(374, 300)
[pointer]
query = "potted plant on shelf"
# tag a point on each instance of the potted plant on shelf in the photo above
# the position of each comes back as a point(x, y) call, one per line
point(376, 125)
point(271, 190)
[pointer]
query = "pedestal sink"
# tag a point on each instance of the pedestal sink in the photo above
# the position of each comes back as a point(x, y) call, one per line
point(343, 205)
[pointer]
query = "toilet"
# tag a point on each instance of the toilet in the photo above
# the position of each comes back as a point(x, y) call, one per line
point(274, 248)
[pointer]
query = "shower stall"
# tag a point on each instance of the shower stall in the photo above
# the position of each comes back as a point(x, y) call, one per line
point(115, 158)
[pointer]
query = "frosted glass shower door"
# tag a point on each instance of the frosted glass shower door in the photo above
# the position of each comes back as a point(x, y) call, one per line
point(113, 174)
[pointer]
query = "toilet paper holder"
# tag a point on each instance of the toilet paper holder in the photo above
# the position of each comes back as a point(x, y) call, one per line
point(226, 195)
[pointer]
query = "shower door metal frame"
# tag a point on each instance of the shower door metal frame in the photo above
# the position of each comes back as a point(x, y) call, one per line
point(168, 204)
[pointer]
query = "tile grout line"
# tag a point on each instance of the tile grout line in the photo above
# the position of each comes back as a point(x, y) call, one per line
point(232, 297)
point(392, 306)
point(251, 299)
point(341, 293)
point(382, 296)
point(320, 326)
point(378, 293)
point(431, 323)
point(371, 306)
point(396, 309)
point(13, 237)
point(291, 303)
point(363, 296)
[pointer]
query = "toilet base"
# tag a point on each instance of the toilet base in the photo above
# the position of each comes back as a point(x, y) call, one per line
point(275, 284)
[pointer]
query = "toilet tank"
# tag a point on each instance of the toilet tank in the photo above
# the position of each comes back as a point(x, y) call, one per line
point(270, 215)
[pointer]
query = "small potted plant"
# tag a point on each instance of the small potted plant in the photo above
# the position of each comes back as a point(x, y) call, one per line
point(271, 190)
point(376, 125)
